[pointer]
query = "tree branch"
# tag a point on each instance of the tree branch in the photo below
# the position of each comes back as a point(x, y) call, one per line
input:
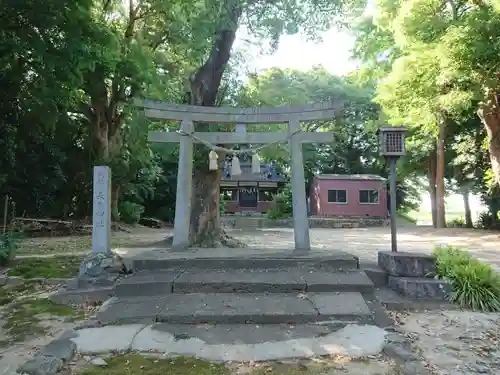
point(206, 81)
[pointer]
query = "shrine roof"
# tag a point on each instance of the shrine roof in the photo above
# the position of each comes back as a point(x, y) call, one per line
point(267, 173)
point(356, 177)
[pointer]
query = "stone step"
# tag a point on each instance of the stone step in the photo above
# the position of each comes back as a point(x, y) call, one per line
point(336, 261)
point(242, 281)
point(224, 308)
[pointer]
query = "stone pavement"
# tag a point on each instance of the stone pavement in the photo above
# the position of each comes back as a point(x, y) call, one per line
point(244, 344)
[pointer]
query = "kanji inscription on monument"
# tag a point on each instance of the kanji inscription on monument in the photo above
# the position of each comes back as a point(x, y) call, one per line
point(101, 211)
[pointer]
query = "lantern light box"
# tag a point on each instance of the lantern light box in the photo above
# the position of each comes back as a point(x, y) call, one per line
point(392, 141)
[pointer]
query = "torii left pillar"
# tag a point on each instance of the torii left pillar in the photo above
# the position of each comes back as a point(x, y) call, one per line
point(184, 188)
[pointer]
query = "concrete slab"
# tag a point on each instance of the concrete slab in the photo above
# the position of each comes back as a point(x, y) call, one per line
point(245, 333)
point(234, 309)
point(378, 276)
point(131, 310)
point(81, 296)
point(347, 305)
point(147, 284)
point(240, 281)
point(157, 258)
point(356, 281)
point(229, 308)
point(352, 341)
point(106, 339)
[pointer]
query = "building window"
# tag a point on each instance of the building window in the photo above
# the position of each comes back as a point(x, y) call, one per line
point(266, 195)
point(368, 197)
point(229, 195)
point(337, 196)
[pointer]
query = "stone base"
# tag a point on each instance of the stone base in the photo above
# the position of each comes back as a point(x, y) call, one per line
point(98, 270)
point(403, 264)
point(420, 288)
point(95, 281)
point(249, 222)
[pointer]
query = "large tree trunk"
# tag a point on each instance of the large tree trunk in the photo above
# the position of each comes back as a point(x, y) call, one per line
point(490, 117)
point(106, 123)
point(432, 185)
point(468, 213)
point(106, 119)
point(205, 227)
point(441, 163)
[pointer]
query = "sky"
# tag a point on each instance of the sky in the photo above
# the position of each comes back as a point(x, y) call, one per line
point(295, 52)
point(333, 53)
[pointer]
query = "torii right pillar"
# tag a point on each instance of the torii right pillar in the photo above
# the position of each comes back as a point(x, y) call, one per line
point(299, 200)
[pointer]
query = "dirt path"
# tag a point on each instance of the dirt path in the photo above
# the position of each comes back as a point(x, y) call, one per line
point(468, 342)
point(366, 242)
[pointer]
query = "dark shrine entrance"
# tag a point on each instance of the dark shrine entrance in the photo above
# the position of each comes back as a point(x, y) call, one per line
point(248, 197)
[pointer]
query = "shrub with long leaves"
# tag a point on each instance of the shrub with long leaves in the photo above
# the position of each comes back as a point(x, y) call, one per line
point(474, 285)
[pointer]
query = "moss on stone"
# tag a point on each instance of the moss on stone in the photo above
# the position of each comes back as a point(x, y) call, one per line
point(136, 364)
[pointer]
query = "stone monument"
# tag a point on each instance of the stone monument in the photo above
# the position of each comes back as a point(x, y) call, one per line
point(101, 210)
point(292, 116)
point(101, 267)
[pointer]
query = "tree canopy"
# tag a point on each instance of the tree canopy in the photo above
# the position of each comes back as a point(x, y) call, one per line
point(69, 73)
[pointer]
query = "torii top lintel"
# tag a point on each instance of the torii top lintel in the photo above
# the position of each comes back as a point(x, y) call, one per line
point(179, 112)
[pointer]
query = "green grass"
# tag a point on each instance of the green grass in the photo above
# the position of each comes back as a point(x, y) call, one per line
point(22, 316)
point(475, 285)
point(23, 320)
point(49, 268)
point(133, 364)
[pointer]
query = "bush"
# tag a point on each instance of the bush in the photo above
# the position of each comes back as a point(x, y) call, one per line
point(222, 206)
point(487, 221)
point(9, 243)
point(283, 208)
point(474, 285)
point(458, 222)
point(130, 212)
point(407, 217)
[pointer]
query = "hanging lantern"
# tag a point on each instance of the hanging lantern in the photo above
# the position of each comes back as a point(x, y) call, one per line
point(235, 166)
point(255, 163)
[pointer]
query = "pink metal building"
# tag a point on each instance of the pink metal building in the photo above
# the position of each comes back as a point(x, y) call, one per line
point(349, 195)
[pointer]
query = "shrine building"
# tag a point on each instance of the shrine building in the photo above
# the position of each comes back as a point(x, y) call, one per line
point(250, 192)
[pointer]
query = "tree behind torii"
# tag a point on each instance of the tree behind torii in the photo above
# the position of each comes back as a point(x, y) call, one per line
point(220, 21)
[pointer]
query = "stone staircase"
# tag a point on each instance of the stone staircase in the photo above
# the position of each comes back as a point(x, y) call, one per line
point(255, 290)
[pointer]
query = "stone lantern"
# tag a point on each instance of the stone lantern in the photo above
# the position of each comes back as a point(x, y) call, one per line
point(392, 147)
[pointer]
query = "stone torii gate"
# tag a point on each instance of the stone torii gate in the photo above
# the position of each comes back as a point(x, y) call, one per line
point(188, 115)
